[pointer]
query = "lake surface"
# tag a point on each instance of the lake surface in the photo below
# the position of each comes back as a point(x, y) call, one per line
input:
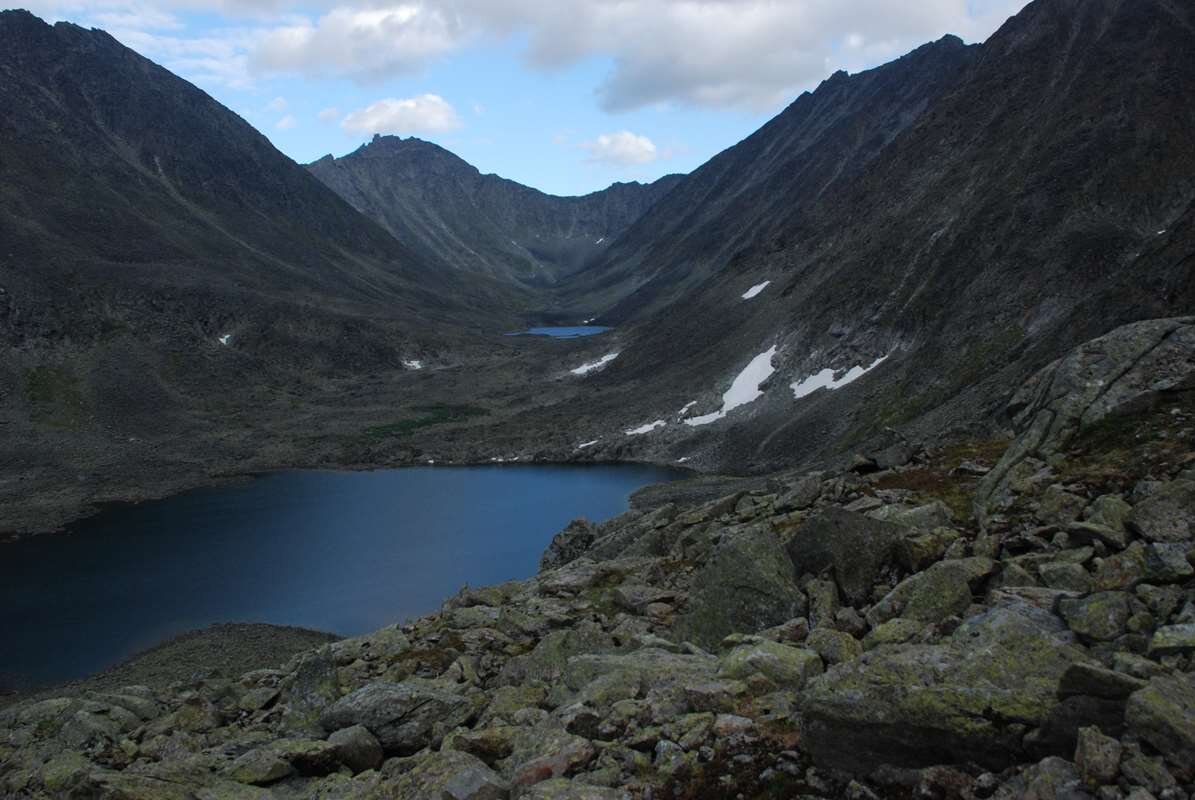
point(563, 332)
point(347, 552)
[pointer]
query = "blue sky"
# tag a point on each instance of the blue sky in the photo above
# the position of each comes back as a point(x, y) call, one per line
point(563, 96)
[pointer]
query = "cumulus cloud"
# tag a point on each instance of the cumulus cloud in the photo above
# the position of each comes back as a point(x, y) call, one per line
point(621, 149)
point(286, 123)
point(712, 53)
point(715, 53)
point(277, 104)
point(427, 113)
point(328, 114)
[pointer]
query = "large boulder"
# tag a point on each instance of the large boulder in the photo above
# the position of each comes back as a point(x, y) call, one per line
point(448, 775)
point(568, 545)
point(943, 590)
point(746, 585)
point(1118, 373)
point(403, 716)
point(855, 548)
point(970, 698)
point(1166, 515)
point(1163, 714)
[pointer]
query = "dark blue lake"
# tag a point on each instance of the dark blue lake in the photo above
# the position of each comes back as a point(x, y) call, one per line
point(347, 552)
point(563, 332)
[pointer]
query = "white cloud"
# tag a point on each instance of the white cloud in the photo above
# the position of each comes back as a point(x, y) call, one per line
point(286, 123)
point(622, 149)
point(714, 53)
point(329, 114)
point(277, 104)
point(427, 113)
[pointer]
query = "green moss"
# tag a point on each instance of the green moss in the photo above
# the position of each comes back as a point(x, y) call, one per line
point(427, 416)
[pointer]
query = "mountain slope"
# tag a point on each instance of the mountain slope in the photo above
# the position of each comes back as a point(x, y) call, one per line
point(1043, 195)
point(445, 209)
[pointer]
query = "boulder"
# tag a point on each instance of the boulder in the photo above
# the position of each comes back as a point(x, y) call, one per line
point(943, 590)
point(917, 552)
point(970, 698)
point(1053, 778)
point(801, 494)
point(1166, 515)
point(1172, 639)
point(357, 748)
point(789, 667)
point(1100, 617)
point(1118, 373)
point(403, 716)
point(922, 518)
point(833, 646)
point(568, 545)
point(1097, 757)
point(746, 585)
point(854, 547)
point(1163, 714)
point(449, 775)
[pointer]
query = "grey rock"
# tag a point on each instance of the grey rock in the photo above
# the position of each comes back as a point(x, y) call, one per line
point(943, 590)
point(357, 748)
point(1168, 563)
point(1167, 514)
point(801, 494)
point(854, 547)
point(1096, 681)
point(1163, 714)
point(1172, 639)
point(1100, 617)
point(402, 716)
point(568, 545)
point(1097, 757)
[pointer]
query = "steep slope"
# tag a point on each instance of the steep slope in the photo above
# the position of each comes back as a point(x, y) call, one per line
point(1045, 195)
point(445, 209)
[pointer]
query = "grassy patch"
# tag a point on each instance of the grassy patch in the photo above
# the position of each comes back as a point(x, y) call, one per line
point(935, 480)
point(56, 398)
point(428, 416)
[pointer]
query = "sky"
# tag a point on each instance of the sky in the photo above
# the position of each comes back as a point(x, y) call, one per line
point(566, 96)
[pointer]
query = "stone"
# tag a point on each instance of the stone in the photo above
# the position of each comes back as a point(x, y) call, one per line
point(945, 589)
point(855, 548)
point(1166, 515)
point(1096, 681)
point(823, 602)
point(928, 517)
point(357, 748)
point(403, 716)
point(970, 698)
point(1119, 372)
point(834, 646)
point(259, 767)
point(1097, 757)
point(1089, 532)
point(636, 597)
point(564, 789)
point(1099, 617)
point(1059, 507)
point(1145, 772)
point(1167, 563)
point(786, 666)
point(917, 552)
point(1172, 639)
point(1109, 511)
point(1120, 571)
point(894, 631)
point(1163, 714)
point(1070, 577)
point(801, 494)
point(1053, 778)
point(746, 585)
point(449, 775)
point(563, 759)
point(568, 545)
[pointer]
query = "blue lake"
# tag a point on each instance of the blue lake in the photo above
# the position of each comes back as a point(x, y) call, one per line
point(562, 332)
point(346, 552)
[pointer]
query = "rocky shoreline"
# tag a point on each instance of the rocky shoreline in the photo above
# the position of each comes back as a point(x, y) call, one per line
point(989, 619)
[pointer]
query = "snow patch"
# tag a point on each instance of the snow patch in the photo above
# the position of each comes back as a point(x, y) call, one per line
point(225, 339)
point(584, 445)
point(682, 460)
point(599, 241)
point(744, 390)
point(585, 369)
point(826, 380)
point(1161, 233)
point(754, 291)
point(413, 364)
point(685, 410)
point(648, 428)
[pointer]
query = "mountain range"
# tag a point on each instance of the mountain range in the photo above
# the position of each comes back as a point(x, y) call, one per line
point(889, 256)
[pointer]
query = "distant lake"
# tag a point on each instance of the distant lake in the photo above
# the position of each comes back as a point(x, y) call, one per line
point(558, 332)
point(346, 552)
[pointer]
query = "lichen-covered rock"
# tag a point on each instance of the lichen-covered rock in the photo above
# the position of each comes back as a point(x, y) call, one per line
point(943, 590)
point(971, 698)
point(448, 775)
point(357, 748)
point(403, 716)
point(1173, 639)
point(1100, 617)
point(786, 666)
point(1053, 778)
point(926, 517)
point(1097, 757)
point(854, 547)
point(833, 646)
point(918, 551)
point(1167, 514)
point(568, 545)
point(746, 585)
point(1163, 714)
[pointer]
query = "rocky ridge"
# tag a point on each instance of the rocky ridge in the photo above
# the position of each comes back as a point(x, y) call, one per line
point(862, 633)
